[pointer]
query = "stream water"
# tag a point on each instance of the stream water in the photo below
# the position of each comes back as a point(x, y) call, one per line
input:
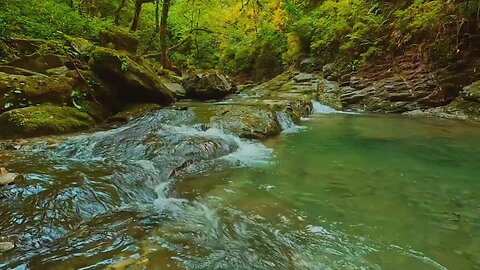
point(344, 191)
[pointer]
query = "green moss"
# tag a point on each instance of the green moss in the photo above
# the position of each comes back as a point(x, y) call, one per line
point(43, 120)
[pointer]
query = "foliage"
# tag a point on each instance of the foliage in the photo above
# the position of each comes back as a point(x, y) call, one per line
point(261, 37)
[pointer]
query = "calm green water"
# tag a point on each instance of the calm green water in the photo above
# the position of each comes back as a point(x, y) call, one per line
point(358, 192)
point(344, 192)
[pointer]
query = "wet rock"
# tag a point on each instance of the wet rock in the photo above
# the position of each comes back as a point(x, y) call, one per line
point(43, 120)
point(208, 86)
point(177, 89)
point(38, 62)
point(9, 178)
point(252, 122)
point(329, 94)
point(6, 246)
point(465, 107)
point(119, 39)
point(133, 111)
point(135, 82)
point(303, 77)
point(17, 91)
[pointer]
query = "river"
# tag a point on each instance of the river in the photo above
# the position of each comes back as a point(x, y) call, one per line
point(341, 191)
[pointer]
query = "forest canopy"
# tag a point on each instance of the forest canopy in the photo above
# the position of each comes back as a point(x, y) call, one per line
point(258, 37)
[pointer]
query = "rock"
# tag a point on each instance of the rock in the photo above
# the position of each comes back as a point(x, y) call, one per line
point(6, 246)
point(208, 86)
point(43, 120)
point(252, 122)
point(136, 83)
point(133, 111)
point(10, 178)
point(308, 65)
point(471, 92)
point(177, 89)
point(63, 71)
point(38, 62)
point(304, 77)
point(81, 46)
point(19, 71)
point(330, 71)
point(17, 91)
point(329, 94)
point(119, 39)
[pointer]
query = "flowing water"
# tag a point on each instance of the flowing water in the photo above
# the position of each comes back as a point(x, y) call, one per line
point(345, 191)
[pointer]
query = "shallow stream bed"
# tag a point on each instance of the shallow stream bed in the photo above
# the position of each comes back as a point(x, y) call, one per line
point(344, 191)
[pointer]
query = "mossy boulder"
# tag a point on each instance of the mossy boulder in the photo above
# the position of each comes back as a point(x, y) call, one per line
point(208, 86)
point(43, 120)
point(38, 62)
point(118, 39)
point(252, 122)
point(135, 82)
point(17, 91)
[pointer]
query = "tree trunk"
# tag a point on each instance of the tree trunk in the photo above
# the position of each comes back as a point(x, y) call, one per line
point(119, 10)
point(136, 14)
point(166, 62)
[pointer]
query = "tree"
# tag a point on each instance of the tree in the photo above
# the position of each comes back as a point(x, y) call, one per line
point(166, 62)
point(136, 14)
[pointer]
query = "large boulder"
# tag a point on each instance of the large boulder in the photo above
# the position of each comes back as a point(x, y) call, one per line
point(119, 40)
point(18, 91)
point(38, 62)
point(43, 120)
point(135, 82)
point(208, 86)
point(252, 122)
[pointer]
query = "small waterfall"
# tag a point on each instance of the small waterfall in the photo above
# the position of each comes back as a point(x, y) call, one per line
point(285, 120)
point(322, 109)
point(286, 123)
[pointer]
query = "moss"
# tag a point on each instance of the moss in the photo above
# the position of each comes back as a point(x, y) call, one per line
point(43, 120)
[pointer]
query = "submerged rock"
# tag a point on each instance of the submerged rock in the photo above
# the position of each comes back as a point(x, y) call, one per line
point(43, 120)
point(135, 82)
point(252, 122)
point(208, 86)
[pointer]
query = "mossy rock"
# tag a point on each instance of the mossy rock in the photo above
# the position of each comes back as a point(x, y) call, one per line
point(251, 122)
point(17, 91)
point(135, 82)
point(119, 39)
point(43, 120)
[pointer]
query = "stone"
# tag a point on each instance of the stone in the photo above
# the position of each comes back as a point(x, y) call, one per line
point(17, 91)
point(135, 82)
point(251, 122)
point(208, 86)
point(304, 77)
point(81, 46)
point(10, 178)
point(177, 89)
point(43, 120)
point(19, 71)
point(471, 92)
point(6, 246)
point(119, 39)
point(38, 62)
point(133, 111)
